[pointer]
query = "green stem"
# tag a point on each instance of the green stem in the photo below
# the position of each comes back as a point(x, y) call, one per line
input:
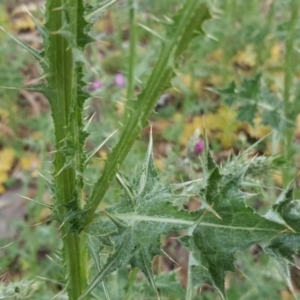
point(63, 81)
point(192, 16)
point(288, 82)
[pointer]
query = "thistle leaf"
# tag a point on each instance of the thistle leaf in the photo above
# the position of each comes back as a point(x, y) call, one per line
point(233, 226)
point(286, 245)
point(253, 99)
point(222, 226)
point(135, 227)
point(283, 248)
point(83, 38)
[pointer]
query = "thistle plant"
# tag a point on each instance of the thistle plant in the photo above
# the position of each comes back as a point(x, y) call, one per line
point(131, 229)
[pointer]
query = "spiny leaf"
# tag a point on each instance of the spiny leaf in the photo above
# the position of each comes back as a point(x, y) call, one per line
point(288, 212)
point(35, 53)
point(228, 93)
point(94, 248)
point(115, 260)
point(252, 97)
point(233, 226)
point(284, 247)
point(134, 227)
point(83, 27)
point(250, 87)
point(248, 96)
point(93, 13)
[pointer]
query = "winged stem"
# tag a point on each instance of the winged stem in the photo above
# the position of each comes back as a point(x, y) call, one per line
point(190, 19)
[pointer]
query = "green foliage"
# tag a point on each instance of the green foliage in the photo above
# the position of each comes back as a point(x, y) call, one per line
point(185, 27)
point(130, 231)
point(253, 99)
point(257, 277)
point(133, 227)
point(230, 226)
point(167, 284)
point(65, 36)
point(221, 227)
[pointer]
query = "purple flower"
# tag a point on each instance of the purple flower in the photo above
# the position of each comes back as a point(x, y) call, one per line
point(120, 80)
point(97, 84)
point(199, 147)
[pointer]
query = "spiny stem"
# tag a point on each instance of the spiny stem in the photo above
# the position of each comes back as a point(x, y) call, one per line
point(62, 80)
point(193, 14)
